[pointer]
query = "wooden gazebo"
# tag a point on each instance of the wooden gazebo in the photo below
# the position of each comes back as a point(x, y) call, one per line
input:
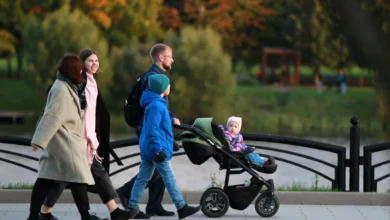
point(295, 78)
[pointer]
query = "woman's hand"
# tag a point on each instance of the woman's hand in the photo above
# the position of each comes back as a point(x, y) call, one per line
point(35, 147)
point(90, 145)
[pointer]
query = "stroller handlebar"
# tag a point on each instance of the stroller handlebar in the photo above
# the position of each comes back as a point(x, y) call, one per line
point(185, 127)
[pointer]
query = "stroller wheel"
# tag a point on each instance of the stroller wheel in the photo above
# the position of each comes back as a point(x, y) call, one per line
point(214, 202)
point(267, 205)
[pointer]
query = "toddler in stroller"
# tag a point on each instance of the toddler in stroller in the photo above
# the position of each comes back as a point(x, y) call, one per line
point(205, 139)
point(236, 142)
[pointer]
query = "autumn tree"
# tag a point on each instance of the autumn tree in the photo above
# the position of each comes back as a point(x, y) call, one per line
point(238, 22)
point(13, 15)
point(62, 31)
point(312, 27)
point(121, 20)
point(169, 18)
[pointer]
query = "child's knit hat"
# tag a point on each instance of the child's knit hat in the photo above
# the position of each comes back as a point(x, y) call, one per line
point(238, 120)
point(158, 83)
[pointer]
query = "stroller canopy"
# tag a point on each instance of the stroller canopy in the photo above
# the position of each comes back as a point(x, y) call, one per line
point(200, 143)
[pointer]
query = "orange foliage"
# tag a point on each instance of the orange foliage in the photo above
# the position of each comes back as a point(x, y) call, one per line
point(35, 10)
point(97, 3)
point(170, 18)
point(101, 18)
point(234, 20)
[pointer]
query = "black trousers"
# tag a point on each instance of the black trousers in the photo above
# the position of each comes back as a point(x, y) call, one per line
point(103, 186)
point(41, 190)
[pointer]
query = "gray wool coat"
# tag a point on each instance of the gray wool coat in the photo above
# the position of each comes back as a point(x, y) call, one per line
point(59, 133)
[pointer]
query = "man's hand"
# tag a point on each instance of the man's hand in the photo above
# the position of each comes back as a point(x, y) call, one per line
point(176, 146)
point(35, 147)
point(176, 121)
point(160, 157)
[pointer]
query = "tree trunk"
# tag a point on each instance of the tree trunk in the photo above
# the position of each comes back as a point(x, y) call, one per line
point(372, 43)
point(19, 55)
point(9, 67)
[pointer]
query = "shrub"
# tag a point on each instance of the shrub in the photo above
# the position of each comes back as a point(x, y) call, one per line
point(62, 31)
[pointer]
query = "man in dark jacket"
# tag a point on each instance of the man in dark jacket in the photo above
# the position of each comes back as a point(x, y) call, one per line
point(162, 59)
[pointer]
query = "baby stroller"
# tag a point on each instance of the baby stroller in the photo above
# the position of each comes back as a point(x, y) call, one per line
point(203, 140)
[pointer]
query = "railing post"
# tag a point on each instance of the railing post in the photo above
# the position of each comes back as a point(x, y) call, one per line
point(367, 169)
point(372, 180)
point(341, 170)
point(354, 153)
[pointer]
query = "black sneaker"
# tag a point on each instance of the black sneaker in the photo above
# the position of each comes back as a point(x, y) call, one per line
point(160, 212)
point(187, 211)
point(142, 215)
point(119, 214)
point(47, 216)
point(123, 198)
point(94, 217)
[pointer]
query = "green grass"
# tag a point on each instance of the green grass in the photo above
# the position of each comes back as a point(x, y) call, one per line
point(301, 111)
point(17, 95)
point(297, 111)
point(17, 186)
point(4, 66)
point(294, 187)
point(303, 187)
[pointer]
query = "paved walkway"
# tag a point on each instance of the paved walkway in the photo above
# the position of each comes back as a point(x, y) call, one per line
point(286, 212)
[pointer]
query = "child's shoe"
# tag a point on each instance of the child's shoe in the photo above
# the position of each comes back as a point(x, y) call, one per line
point(187, 211)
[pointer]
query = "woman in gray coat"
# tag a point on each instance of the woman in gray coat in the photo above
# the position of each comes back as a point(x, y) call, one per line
point(59, 135)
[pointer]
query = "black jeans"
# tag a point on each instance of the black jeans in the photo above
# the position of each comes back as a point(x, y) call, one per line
point(41, 189)
point(103, 186)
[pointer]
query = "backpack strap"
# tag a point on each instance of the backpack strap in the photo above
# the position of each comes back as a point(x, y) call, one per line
point(144, 79)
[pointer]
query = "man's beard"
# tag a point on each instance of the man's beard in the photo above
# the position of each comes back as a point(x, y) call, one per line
point(166, 67)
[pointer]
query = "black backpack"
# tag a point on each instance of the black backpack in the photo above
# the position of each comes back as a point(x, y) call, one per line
point(132, 109)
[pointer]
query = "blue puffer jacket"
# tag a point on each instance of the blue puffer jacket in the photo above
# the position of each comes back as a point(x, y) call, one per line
point(156, 135)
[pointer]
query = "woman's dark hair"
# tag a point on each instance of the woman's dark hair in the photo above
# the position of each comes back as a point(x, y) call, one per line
point(84, 54)
point(70, 66)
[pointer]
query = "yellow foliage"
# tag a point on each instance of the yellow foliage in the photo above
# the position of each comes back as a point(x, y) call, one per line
point(7, 41)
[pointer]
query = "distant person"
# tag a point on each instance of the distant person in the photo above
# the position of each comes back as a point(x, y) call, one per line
point(342, 80)
point(318, 81)
point(259, 76)
point(285, 75)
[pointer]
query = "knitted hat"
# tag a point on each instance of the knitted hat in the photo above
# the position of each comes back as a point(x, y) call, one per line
point(158, 83)
point(238, 120)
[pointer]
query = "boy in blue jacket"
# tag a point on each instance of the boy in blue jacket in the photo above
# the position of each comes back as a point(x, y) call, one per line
point(156, 146)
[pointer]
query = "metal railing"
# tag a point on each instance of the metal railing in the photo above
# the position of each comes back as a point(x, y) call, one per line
point(338, 180)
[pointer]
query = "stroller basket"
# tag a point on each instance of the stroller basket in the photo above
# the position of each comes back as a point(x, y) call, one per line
point(240, 197)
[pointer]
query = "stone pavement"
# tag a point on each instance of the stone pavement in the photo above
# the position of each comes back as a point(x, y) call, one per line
point(9, 211)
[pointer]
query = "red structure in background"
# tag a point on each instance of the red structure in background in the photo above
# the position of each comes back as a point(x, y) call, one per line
point(295, 78)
